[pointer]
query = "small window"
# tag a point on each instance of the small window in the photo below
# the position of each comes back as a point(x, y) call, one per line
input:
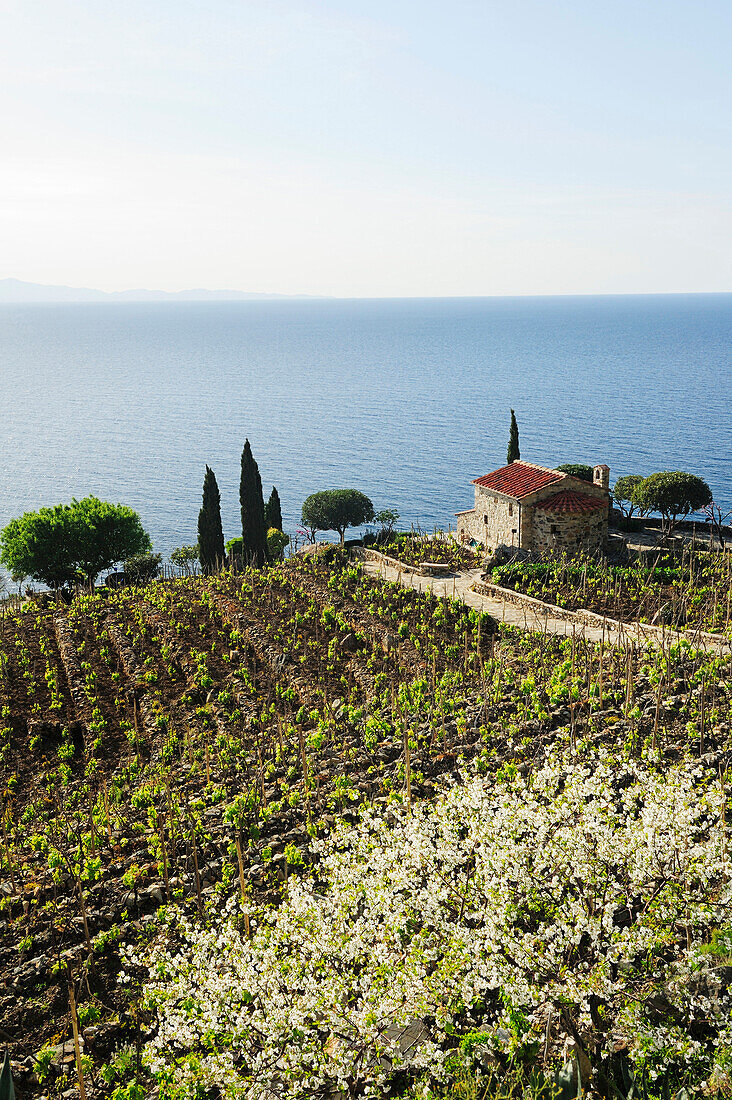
point(510, 509)
point(485, 520)
point(555, 529)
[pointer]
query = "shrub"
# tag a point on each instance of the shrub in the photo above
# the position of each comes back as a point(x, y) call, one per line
point(576, 469)
point(142, 568)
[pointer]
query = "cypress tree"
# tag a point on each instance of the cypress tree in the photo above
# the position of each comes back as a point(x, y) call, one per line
point(210, 532)
point(253, 527)
point(513, 441)
point(273, 511)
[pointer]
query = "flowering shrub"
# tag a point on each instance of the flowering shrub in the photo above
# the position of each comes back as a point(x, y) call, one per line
point(576, 901)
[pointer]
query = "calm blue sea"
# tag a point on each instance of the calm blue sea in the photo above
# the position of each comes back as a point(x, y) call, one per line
point(407, 400)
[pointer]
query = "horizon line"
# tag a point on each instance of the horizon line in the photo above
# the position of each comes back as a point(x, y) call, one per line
point(230, 295)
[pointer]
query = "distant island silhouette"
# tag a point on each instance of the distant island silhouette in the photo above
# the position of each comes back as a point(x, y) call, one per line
point(15, 290)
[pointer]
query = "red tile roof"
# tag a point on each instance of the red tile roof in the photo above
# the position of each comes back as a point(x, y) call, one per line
point(519, 479)
point(568, 502)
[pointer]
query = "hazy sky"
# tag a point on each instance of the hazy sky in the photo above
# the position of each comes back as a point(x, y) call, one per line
point(367, 147)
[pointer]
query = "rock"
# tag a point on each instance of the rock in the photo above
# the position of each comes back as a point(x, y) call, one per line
point(503, 554)
point(152, 893)
point(349, 643)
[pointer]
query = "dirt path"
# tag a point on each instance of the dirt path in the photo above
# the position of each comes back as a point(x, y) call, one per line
point(458, 586)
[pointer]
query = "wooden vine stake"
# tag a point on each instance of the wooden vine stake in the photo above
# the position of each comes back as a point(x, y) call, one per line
point(702, 716)
point(658, 711)
point(407, 767)
point(7, 856)
point(161, 827)
point(75, 1029)
point(106, 810)
point(243, 886)
point(199, 899)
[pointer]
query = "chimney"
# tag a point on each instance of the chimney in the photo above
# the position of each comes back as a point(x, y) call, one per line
point(601, 477)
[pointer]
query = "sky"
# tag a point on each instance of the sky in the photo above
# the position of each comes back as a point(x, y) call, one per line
point(367, 149)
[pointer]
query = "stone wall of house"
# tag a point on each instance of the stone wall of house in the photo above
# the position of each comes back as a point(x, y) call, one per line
point(533, 540)
point(568, 533)
point(494, 520)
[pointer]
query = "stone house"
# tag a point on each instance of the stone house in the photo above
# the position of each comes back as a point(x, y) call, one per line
point(535, 508)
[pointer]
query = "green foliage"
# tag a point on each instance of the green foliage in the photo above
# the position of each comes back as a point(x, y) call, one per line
point(672, 493)
point(43, 1062)
point(624, 492)
point(210, 532)
point(142, 568)
point(579, 470)
point(253, 528)
point(58, 545)
point(88, 1013)
point(106, 533)
point(37, 545)
point(513, 453)
point(336, 509)
point(387, 518)
point(413, 550)
point(185, 558)
point(273, 510)
point(276, 542)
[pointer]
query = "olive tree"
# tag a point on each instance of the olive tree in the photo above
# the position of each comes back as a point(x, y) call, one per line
point(673, 494)
point(335, 510)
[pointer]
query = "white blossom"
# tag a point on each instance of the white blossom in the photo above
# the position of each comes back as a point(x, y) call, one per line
point(498, 899)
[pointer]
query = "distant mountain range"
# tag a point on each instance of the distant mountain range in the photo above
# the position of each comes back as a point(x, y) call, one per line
point(15, 290)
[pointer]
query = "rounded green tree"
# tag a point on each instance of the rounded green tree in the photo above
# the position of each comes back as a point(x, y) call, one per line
point(673, 494)
point(61, 545)
point(336, 510)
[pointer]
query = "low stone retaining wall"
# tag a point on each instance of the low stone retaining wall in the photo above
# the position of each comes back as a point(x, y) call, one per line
point(424, 570)
point(583, 617)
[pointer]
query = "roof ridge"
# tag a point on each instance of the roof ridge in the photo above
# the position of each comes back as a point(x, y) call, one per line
point(537, 466)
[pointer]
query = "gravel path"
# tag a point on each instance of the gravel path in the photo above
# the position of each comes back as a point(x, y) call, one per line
point(459, 585)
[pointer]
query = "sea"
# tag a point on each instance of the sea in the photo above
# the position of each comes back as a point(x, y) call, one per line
point(405, 399)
